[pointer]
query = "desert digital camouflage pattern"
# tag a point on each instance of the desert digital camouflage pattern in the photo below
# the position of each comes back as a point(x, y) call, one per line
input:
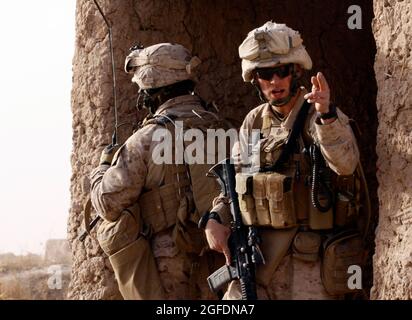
point(272, 44)
point(161, 65)
point(284, 276)
point(119, 186)
point(337, 142)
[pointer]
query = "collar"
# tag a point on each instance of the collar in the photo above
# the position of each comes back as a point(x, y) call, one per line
point(180, 103)
point(287, 123)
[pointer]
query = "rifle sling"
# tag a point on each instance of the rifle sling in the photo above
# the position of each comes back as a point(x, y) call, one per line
point(290, 144)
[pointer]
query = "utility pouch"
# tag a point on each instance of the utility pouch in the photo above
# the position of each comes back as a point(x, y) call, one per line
point(261, 202)
point(159, 207)
point(347, 201)
point(152, 211)
point(306, 246)
point(186, 235)
point(320, 220)
point(136, 272)
point(280, 199)
point(342, 255)
point(244, 186)
point(116, 235)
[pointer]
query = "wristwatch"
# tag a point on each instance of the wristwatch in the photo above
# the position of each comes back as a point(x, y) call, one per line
point(205, 218)
point(330, 114)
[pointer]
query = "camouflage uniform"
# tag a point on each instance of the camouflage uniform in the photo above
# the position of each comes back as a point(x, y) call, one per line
point(141, 200)
point(283, 276)
point(286, 274)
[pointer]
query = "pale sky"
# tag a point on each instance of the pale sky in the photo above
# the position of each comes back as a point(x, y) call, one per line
point(37, 45)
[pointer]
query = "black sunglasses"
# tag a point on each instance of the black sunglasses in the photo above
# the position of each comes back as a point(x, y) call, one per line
point(281, 71)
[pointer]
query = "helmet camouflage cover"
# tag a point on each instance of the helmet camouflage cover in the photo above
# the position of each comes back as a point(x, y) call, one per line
point(161, 65)
point(269, 45)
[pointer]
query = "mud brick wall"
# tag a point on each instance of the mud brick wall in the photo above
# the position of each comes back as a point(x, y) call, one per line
point(392, 28)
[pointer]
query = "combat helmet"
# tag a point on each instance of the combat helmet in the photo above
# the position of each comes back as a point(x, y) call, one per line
point(161, 65)
point(270, 45)
point(160, 71)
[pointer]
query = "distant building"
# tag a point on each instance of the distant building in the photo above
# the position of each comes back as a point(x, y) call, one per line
point(57, 251)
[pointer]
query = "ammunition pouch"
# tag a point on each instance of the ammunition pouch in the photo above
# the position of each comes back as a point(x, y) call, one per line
point(171, 206)
point(340, 252)
point(280, 198)
point(244, 186)
point(159, 207)
point(178, 204)
point(261, 202)
point(266, 199)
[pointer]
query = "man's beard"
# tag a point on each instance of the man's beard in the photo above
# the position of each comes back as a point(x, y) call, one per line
point(294, 86)
point(281, 102)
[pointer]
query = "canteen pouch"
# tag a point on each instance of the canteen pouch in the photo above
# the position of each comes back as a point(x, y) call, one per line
point(320, 220)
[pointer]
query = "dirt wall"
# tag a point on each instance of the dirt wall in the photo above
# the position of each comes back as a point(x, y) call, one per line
point(392, 28)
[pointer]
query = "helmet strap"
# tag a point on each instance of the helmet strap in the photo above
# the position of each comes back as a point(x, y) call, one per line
point(148, 100)
point(259, 91)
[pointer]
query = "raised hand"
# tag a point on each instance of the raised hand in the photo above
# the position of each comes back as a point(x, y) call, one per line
point(320, 94)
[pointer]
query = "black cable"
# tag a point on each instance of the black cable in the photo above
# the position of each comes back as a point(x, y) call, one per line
point(318, 180)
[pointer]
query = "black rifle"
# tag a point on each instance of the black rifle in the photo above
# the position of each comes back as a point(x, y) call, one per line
point(243, 242)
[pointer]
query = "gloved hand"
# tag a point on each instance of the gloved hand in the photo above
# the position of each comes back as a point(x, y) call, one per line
point(108, 154)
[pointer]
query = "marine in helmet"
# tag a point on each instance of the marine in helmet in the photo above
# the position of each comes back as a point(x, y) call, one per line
point(280, 205)
point(150, 210)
